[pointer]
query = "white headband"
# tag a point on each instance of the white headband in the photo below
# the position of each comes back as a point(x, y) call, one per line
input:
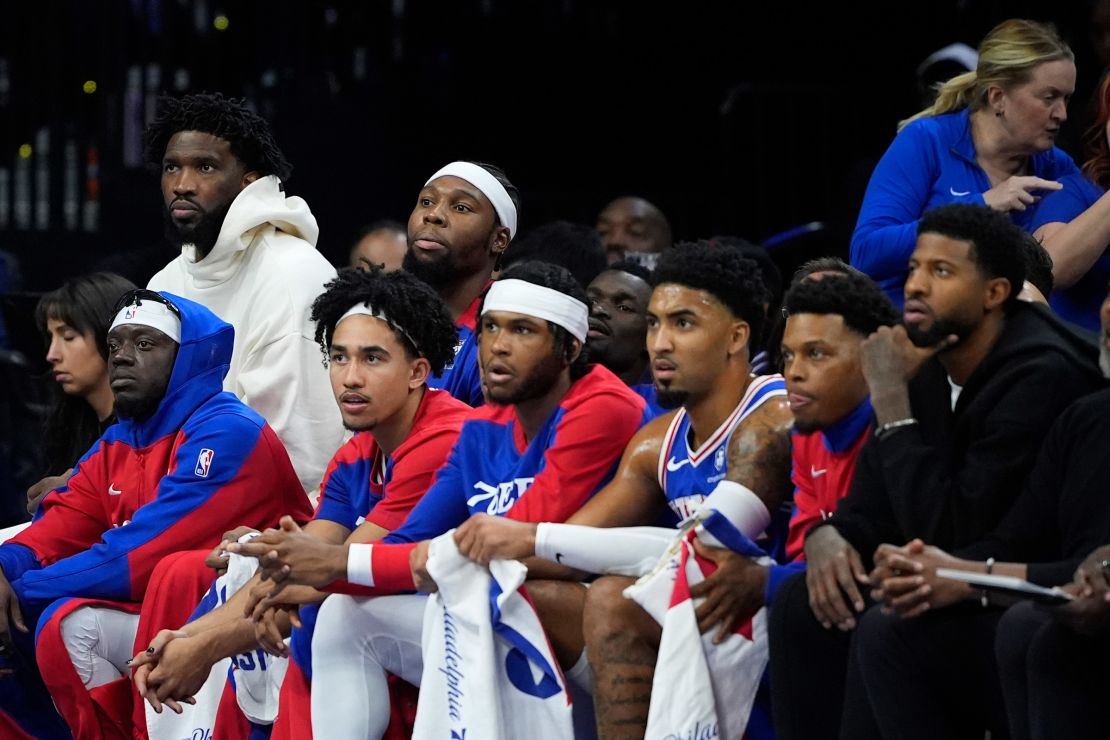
point(364, 309)
point(490, 187)
point(153, 314)
point(520, 296)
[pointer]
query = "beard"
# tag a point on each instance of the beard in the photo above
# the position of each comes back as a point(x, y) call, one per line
point(941, 329)
point(202, 234)
point(671, 399)
point(536, 383)
point(439, 273)
point(136, 409)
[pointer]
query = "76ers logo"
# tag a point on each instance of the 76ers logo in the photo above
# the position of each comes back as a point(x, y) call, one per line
point(130, 313)
point(204, 462)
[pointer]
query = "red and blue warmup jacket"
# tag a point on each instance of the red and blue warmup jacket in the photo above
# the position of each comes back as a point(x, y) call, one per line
point(823, 465)
point(201, 464)
point(494, 470)
point(462, 378)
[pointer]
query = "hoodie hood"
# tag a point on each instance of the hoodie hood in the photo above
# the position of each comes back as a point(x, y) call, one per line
point(259, 206)
point(203, 359)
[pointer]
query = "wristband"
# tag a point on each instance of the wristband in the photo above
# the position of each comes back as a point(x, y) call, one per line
point(893, 426)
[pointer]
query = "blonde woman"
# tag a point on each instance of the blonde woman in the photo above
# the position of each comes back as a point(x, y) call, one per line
point(989, 138)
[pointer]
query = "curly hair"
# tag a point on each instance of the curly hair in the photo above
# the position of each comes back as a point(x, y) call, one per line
point(856, 298)
point(997, 245)
point(557, 278)
point(252, 141)
point(723, 272)
point(416, 312)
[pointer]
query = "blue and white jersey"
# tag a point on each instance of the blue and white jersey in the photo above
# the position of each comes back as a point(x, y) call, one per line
point(687, 476)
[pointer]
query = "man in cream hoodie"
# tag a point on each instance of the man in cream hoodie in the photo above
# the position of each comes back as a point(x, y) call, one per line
point(248, 253)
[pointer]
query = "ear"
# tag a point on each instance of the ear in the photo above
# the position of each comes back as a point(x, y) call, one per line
point(574, 350)
point(419, 370)
point(738, 337)
point(997, 291)
point(249, 177)
point(994, 97)
point(499, 241)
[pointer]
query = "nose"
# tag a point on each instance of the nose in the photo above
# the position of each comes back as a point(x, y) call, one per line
point(54, 351)
point(659, 340)
point(352, 378)
point(1060, 111)
point(434, 214)
point(597, 310)
point(794, 369)
point(916, 284)
point(125, 355)
point(183, 182)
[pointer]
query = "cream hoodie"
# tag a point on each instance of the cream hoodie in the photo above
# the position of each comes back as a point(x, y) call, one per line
point(261, 277)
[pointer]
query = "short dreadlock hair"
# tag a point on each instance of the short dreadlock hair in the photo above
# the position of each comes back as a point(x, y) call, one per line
point(416, 312)
point(854, 297)
point(723, 272)
point(252, 141)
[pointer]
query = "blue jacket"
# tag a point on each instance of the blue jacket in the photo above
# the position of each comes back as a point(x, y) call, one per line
point(1080, 302)
point(930, 163)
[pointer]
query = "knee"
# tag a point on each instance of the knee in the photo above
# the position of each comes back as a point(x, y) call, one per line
point(875, 631)
point(790, 613)
point(1015, 633)
point(607, 613)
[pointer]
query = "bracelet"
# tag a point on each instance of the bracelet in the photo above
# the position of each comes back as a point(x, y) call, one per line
point(985, 598)
point(893, 426)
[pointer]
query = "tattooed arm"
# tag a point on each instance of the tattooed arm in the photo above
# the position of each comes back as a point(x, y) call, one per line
point(759, 458)
point(759, 453)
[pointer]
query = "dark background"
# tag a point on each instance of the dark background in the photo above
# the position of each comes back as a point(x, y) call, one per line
point(735, 118)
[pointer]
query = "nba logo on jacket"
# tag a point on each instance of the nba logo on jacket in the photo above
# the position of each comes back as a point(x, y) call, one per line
point(204, 462)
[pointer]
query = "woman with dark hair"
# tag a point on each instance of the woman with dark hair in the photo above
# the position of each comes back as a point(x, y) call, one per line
point(1074, 225)
point(74, 323)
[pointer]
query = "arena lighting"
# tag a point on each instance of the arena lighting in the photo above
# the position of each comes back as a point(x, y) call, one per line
point(220, 22)
point(25, 151)
point(89, 87)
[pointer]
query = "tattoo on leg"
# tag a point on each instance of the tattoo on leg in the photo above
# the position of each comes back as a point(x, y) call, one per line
point(623, 671)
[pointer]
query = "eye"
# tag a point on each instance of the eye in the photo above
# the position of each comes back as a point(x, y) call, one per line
point(69, 337)
point(167, 167)
point(113, 346)
point(787, 357)
point(816, 354)
point(523, 329)
point(683, 323)
point(206, 168)
point(941, 271)
point(338, 358)
point(489, 327)
point(652, 322)
point(426, 202)
point(373, 359)
point(144, 344)
point(463, 208)
point(626, 308)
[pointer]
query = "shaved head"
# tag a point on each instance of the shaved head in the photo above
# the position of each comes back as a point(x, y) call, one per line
point(632, 224)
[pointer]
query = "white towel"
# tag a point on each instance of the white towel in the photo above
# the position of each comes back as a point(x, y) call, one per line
point(489, 671)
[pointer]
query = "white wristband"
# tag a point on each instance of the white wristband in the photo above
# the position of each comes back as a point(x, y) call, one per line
point(740, 506)
point(360, 564)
